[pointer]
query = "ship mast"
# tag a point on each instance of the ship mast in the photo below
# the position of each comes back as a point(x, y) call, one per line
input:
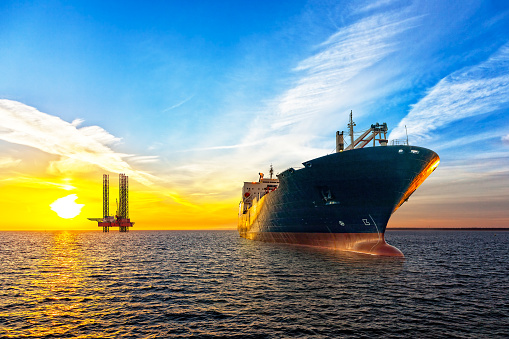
point(271, 171)
point(351, 124)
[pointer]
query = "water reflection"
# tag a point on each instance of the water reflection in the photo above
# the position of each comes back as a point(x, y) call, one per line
point(52, 288)
point(161, 284)
point(321, 258)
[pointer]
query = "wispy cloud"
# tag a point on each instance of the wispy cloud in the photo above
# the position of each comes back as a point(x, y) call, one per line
point(505, 139)
point(470, 139)
point(284, 130)
point(143, 159)
point(325, 76)
point(9, 162)
point(80, 149)
point(475, 90)
point(36, 182)
point(329, 81)
point(25, 125)
point(372, 5)
point(178, 104)
point(211, 148)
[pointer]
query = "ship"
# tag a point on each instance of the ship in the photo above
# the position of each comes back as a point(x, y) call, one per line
point(342, 200)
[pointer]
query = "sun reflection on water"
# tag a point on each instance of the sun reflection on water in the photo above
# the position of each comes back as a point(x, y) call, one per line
point(53, 288)
point(162, 284)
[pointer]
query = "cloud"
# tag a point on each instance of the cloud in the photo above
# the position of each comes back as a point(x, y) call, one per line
point(470, 139)
point(36, 182)
point(77, 122)
point(472, 91)
point(327, 82)
point(69, 165)
point(144, 159)
point(284, 130)
point(343, 56)
point(6, 162)
point(372, 5)
point(178, 104)
point(25, 125)
point(505, 139)
point(80, 148)
point(211, 148)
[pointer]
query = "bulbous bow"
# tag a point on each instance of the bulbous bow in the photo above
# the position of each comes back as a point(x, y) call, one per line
point(377, 247)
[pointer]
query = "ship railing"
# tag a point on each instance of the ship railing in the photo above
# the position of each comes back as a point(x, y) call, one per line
point(396, 142)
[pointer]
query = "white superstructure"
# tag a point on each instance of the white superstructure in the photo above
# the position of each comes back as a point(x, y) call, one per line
point(253, 190)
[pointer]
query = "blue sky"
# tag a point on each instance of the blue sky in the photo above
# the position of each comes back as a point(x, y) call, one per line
point(195, 97)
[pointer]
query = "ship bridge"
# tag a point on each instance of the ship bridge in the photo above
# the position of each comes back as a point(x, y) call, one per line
point(257, 189)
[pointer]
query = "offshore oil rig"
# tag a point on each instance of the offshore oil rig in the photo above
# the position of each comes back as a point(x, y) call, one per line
point(121, 219)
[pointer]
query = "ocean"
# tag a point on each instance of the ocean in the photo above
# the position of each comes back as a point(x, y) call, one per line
point(212, 284)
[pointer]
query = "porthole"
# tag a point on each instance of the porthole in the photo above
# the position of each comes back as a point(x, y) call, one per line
point(401, 151)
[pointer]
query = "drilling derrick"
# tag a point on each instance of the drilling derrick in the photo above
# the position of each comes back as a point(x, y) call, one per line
point(106, 200)
point(123, 198)
point(106, 195)
point(121, 220)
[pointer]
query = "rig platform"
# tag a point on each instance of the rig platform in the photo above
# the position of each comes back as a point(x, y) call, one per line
point(121, 219)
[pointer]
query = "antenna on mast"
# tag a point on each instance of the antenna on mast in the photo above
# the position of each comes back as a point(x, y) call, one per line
point(406, 131)
point(271, 171)
point(351, 124)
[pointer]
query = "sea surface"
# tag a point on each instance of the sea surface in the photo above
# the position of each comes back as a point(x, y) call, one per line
point(157, 284)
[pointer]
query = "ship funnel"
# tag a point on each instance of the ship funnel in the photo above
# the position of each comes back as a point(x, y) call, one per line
point(340, 143)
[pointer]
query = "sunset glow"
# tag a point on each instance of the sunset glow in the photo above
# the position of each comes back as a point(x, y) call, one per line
point(190, 105)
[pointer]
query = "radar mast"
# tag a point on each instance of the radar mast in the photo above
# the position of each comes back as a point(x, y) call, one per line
point(351, 124)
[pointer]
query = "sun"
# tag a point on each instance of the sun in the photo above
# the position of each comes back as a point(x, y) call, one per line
point(66, 207)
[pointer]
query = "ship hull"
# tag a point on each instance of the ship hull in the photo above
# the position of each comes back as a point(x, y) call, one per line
point(367, 243)
point(341, 201)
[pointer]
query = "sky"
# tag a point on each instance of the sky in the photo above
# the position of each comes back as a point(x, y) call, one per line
point(192, 98)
